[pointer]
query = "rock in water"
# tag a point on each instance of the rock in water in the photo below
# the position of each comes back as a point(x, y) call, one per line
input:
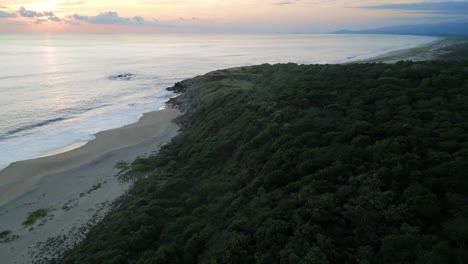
point(123, 77)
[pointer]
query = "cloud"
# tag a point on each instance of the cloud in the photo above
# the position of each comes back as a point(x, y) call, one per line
point(40, 21)
point(441, 8)
point(189, 24)
point(39, 17)
point(6, 15)
point(71, 22)
point(55, 19)
point(28, 13)
point(71, 3)
point(113, 18)
point(190, 18)
point(138, 19)
point(110, 18)
point(282, 3)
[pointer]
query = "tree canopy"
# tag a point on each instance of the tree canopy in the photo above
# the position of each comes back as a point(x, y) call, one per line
point(356, 163)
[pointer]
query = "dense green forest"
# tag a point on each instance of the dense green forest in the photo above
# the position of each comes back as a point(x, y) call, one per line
point(291, 164)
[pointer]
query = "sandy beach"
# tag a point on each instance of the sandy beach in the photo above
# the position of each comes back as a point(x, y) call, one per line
point(77, 187)
point(432, 51)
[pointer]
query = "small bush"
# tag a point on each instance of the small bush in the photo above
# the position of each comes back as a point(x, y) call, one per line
point(33, 217)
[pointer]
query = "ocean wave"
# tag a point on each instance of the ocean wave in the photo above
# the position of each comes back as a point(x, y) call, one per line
point(80, 110)
point(32, 126)
point(81, 130)
point(65, 114)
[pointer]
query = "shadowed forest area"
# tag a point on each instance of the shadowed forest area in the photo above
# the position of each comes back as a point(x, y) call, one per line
point(356, 163)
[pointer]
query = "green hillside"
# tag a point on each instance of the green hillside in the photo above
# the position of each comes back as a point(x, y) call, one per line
point(291, 164)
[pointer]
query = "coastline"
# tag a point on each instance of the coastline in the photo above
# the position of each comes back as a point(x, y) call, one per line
point(383, 54)
point(435, 50)
point(59, 181)
point(77, 187)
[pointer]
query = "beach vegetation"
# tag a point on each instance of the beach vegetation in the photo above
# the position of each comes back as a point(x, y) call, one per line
point(35, 216)
point(354, 163)
point(7, 236)
point(134, 170)
point(141, 165)
point(4, 234)
point(122, 166)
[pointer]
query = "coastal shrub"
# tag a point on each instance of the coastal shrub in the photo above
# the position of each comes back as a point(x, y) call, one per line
point(122, 166)
point(141, 165)
point(4, 234)
point(35, 216)
point(358, 163)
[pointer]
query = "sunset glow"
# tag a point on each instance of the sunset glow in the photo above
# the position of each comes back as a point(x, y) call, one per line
point(213, 16)
point(45, 5)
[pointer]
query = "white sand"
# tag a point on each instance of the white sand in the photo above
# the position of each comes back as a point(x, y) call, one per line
point(64, 183)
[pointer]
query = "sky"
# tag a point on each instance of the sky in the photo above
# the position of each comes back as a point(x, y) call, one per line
point(220, 16)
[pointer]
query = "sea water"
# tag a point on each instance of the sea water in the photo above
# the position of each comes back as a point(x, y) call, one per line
point(57, 91)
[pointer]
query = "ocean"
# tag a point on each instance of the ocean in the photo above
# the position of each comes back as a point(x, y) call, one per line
point(57, 91)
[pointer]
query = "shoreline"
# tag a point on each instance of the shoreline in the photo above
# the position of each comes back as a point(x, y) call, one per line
point(70, 158)
point(382, 54)
point(76, 144)
point(411, 53)
point(434, 50)
point(77, 186)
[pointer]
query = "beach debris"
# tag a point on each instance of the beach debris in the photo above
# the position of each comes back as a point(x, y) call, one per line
point(123, 77)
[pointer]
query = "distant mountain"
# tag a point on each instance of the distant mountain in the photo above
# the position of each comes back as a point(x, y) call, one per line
point(446, 29)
